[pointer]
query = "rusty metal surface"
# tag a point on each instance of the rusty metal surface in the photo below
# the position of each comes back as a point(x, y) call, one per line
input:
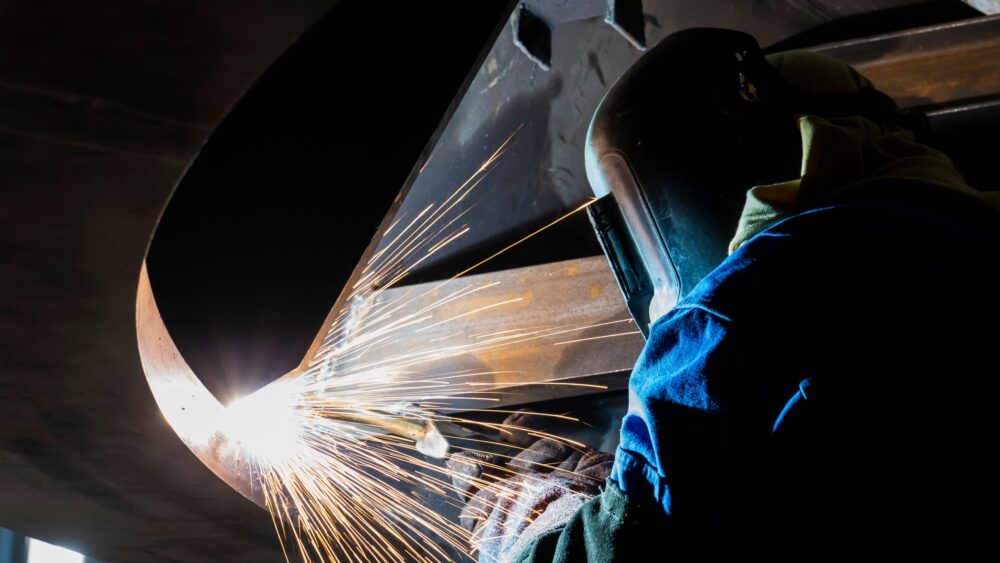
point(931, 66)
point(588, 333)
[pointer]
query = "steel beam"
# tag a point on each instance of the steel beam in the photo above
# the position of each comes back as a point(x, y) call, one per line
point(932, 66)
point(567, 323)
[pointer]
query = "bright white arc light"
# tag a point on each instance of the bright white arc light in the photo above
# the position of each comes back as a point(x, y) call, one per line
point(266, 425)
point(207, 427)
point(41, 552)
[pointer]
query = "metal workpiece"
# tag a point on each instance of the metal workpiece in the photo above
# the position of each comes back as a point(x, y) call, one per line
point(188, 406)
point(932, 66)
point(533, 36)
point(555, 309)
point(534, 22)
point(568, 320)
point(577, 338)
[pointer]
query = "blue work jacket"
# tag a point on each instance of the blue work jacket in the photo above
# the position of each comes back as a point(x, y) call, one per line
point(826, 392)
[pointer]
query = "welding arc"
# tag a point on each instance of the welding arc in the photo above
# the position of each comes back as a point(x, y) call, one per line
point(361, 422)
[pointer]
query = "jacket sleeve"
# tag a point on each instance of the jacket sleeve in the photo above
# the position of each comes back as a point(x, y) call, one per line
point(702, 399)
point(610, 527)
point(873, 292)
point(700, 406)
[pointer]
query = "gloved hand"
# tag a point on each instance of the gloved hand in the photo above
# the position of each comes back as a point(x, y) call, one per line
point(550, 481)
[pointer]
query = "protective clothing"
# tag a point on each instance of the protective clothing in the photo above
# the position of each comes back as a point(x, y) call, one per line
point(543, 485)
point(820, 394)
point(674, 146)
point(839, 152)
point(508, 515)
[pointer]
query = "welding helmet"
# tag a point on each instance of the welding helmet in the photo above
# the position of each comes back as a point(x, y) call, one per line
point(673, 148)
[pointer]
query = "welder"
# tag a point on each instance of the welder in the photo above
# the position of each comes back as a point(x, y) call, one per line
point(820, 293)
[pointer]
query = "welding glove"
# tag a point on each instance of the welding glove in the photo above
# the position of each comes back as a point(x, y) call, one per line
point(548, 481)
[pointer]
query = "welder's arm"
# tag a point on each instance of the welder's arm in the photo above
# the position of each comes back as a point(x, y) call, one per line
point(509, 515)
point(550, 481)
point(701, 407)
point(703, 399)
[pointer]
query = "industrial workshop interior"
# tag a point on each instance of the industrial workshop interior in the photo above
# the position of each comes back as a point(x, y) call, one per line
point(498, 281)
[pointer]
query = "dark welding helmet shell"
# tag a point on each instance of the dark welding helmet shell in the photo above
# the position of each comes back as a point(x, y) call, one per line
point(676, 143)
